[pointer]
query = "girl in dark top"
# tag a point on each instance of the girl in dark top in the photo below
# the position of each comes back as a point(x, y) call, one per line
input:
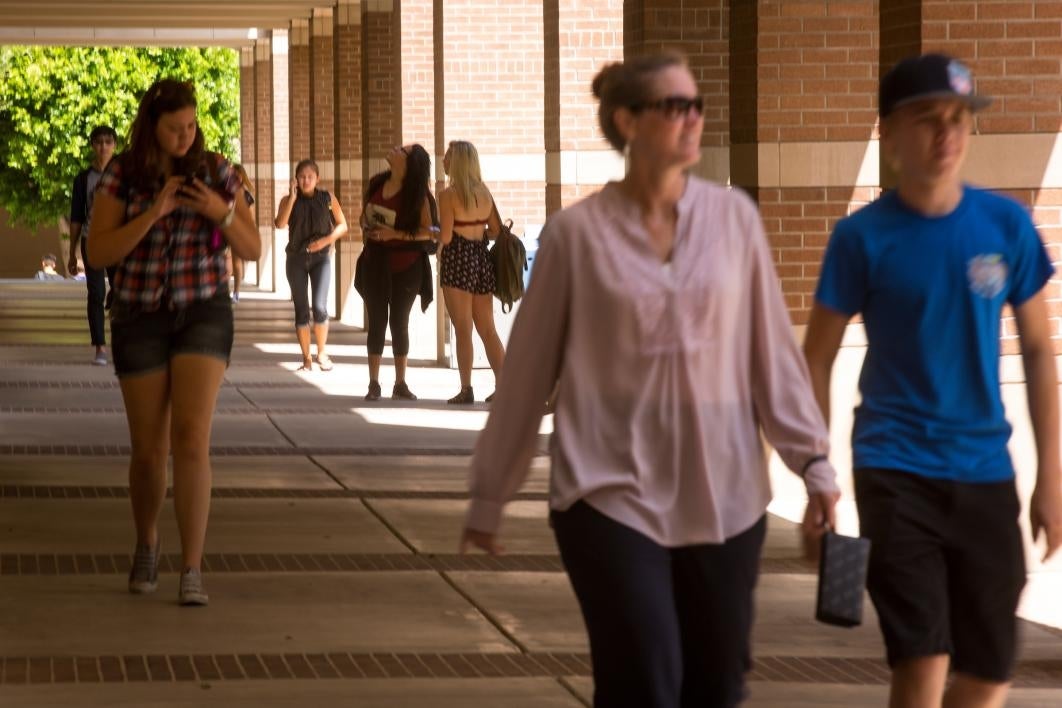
point(400, 224)
point(316, 222)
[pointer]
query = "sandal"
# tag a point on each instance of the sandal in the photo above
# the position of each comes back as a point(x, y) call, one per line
point(466, 396)
point(374, 391)
point(325, 362)
point(307, 365)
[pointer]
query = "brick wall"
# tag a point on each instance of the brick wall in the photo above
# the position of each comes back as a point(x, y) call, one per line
point(1015, 52)
point(247, 112)
point(322, 93)
point(580, 38)
point(817, 70)
point(493, 70)
point(815, 95)
point(381, 106)
point(700, 29)
point(348, 113)
point(348, 183)
point(299, 92)
point(418, 73)
point(264, 123)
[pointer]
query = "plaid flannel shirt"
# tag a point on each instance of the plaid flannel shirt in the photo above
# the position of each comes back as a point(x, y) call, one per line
point(174, 264)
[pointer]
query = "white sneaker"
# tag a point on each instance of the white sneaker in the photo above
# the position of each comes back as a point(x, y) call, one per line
point(191, 593)
point(100, 360)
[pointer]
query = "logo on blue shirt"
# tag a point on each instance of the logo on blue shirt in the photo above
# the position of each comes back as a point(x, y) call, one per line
point(987, 274)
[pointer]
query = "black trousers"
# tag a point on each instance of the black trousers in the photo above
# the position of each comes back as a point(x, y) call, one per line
point(391, 307)
point(96, 282)
point(668, 627)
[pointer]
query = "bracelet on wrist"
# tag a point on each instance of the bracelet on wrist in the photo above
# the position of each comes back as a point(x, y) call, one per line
point(229, 216)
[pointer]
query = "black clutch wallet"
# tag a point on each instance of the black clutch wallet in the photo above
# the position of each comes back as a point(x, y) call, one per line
point(842, 578)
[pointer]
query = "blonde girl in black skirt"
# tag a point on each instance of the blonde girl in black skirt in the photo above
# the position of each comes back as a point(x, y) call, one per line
point(466, 212)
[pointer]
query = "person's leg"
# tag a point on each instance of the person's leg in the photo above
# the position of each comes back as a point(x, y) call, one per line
point(196, 379)
point(237, 277)
point(302, 335)
point(320, 278)
point(459, 307)
point(483, 316)
point(405, 287)
point(919, 682)
point(110, 270)
point(298, 282)
point(141, 347)
point(147, 409)
point(714, 586)
point(903, 515)
point(202, 345)
point(986, 570)
point(623, 583)
point(376, 323)
point(96, 286)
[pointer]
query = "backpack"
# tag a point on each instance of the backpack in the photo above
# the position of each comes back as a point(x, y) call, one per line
point(510, 261)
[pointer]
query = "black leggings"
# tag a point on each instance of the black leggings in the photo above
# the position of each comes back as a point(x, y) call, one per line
point(405, 286)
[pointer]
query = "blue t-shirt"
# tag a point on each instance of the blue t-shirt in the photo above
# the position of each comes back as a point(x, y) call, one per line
point(931, 291)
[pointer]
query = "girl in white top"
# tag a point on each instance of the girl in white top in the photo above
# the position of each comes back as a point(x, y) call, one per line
point(656, 311)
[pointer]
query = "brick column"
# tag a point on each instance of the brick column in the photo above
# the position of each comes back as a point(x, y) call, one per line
point(299, 69)
point(322, 109)
point(418, 97)
point(805, 138)
point(493, 101)
point(701, 32)
point(264, 152)
point(322, 93)
point(248, 132)
point(1015, 52)
point(348, 180)
point(581, 36)
point(381, 94)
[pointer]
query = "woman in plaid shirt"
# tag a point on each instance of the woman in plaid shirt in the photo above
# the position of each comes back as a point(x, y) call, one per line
point(163, 214)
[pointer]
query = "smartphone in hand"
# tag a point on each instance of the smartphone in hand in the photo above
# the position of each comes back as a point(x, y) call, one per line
point(185, 190)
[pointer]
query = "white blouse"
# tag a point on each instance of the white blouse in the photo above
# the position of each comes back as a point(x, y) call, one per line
point(666, 374)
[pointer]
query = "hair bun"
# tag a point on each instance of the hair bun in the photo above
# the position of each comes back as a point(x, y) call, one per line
point(607, 73)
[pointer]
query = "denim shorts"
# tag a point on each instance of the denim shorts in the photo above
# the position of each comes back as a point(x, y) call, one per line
point(142, 342)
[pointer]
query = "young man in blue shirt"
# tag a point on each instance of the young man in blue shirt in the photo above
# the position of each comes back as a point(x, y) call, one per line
point(929, 266)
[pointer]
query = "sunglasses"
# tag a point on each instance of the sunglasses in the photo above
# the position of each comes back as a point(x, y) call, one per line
point(672, 107)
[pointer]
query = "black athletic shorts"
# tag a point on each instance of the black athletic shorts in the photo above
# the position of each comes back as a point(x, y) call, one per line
point(947, 568)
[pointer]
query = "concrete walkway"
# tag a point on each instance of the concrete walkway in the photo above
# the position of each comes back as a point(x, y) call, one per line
point(332, 565)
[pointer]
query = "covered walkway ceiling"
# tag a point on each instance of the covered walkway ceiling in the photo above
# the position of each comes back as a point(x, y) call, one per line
point(166, 22)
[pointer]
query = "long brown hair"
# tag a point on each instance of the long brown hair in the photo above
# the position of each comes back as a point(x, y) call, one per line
point(141, 160)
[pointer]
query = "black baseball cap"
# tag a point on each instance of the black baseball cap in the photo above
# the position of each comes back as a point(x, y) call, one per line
point(926, 77)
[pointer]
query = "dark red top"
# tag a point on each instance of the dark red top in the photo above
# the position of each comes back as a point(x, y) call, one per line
point(384, 210)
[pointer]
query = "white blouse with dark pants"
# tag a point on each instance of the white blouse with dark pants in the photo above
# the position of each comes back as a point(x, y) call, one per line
point(666, 374)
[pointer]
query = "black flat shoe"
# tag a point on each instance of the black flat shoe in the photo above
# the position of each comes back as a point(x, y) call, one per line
point(466, 396)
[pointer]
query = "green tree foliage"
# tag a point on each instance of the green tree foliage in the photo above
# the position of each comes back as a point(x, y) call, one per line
point(52, 97)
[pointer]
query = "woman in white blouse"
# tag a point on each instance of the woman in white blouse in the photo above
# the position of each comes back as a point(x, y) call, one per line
point(656, 311)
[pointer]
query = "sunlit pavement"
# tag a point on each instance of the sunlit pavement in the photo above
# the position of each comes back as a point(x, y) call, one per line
point(332, 564)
